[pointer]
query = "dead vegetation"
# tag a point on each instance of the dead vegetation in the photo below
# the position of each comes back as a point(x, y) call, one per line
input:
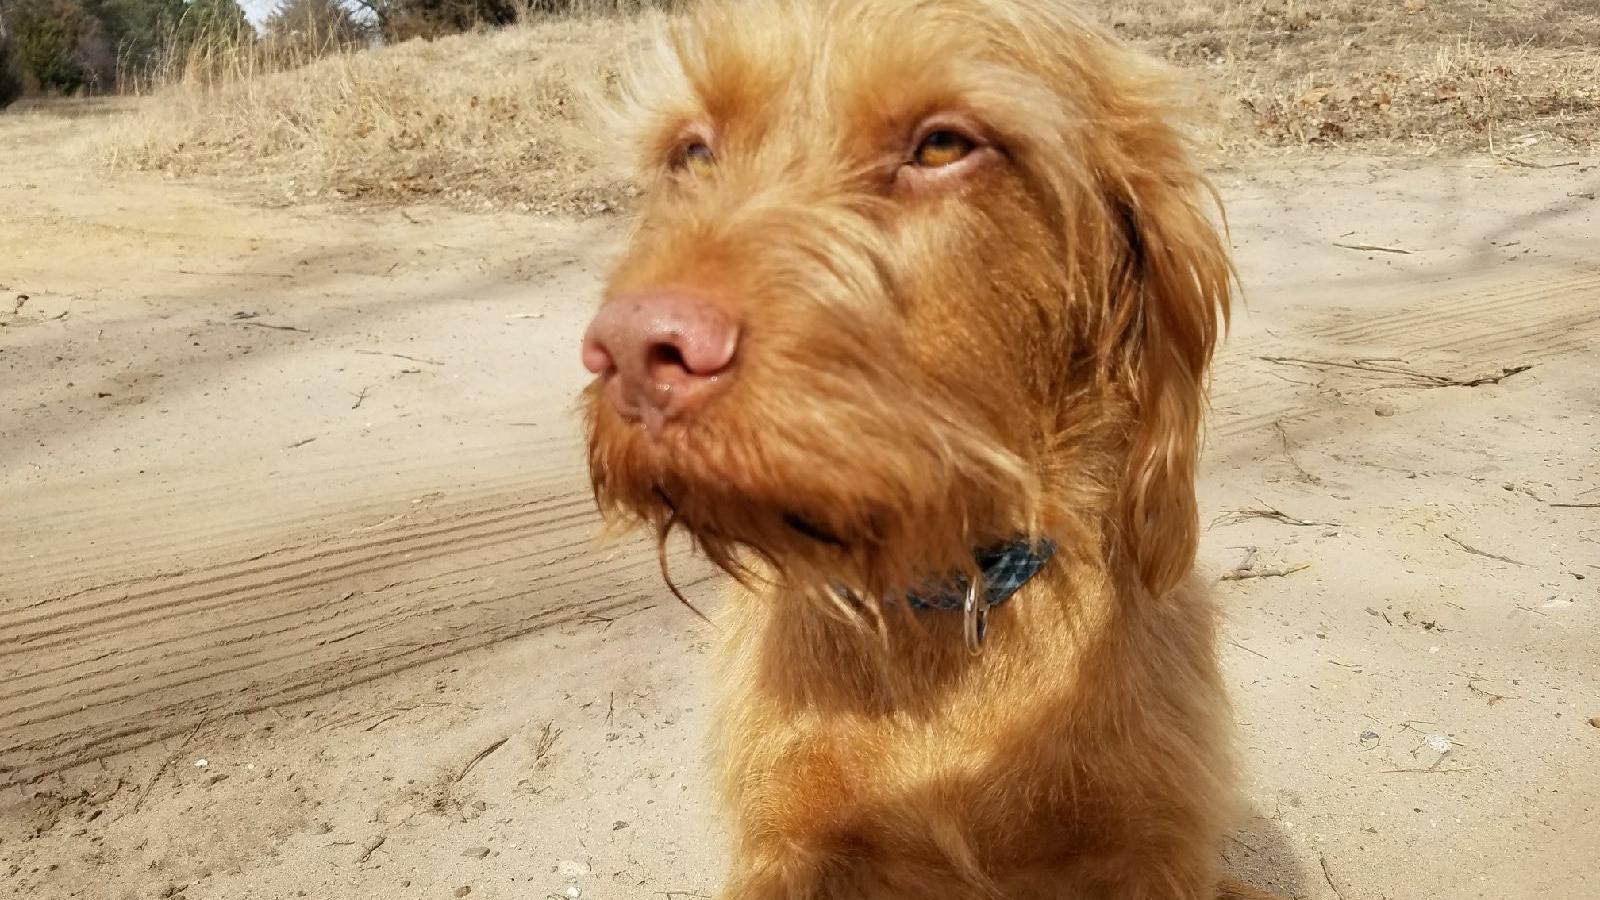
point(472, 119)
point(1404, 77)
point(491, 118)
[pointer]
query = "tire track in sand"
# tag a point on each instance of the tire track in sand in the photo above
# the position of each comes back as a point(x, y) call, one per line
point(301, 608)
point(1470, 327)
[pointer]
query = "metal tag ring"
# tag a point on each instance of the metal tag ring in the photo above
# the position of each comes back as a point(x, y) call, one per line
point(975, 614)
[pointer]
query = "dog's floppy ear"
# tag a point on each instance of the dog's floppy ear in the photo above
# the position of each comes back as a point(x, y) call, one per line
point(1170, 295)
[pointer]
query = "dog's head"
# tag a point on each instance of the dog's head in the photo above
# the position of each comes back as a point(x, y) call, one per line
point(910, 277)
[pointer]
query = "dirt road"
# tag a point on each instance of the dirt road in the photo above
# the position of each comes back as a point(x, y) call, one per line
point(300, 593)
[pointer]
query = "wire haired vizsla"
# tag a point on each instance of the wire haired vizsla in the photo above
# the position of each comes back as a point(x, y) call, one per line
point(911, 338)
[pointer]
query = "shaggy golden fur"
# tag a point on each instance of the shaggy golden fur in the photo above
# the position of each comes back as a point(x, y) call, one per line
point(937, 358)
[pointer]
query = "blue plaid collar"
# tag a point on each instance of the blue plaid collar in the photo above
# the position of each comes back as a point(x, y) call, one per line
point(1005, 567)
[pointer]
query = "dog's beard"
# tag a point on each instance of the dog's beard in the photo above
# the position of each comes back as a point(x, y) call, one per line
point(868, 489)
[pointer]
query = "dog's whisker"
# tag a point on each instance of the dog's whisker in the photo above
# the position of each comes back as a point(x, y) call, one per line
point(666, 575)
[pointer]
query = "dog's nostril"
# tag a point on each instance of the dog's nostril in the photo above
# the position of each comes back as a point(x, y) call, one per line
point(666, 362)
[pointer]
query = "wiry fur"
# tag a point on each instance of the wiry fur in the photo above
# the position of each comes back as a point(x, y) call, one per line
point(926, 370)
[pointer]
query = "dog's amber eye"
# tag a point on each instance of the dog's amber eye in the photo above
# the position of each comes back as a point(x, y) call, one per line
point(697, 158)
point(941, 148)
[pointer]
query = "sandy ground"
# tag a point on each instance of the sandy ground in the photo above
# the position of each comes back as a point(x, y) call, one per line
point(300, 597)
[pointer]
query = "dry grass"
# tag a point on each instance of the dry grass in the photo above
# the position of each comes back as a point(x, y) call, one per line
point(472, 119)
point(1399, 77)
point(491, 118)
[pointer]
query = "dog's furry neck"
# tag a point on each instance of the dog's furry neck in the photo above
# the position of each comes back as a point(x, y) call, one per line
point(814, 660)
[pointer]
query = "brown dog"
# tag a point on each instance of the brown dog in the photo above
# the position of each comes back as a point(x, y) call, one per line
point(918, 311)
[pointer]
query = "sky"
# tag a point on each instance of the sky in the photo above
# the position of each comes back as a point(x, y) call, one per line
point(257, 10)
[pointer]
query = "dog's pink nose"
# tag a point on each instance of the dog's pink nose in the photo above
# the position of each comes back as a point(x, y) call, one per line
point(663, 353)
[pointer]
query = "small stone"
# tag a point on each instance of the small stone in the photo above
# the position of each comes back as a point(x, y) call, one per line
point(571, 869)
point(476, 852)
point(1369, 735)
point(618, 825)
point(573, 892)
point(464, 890)
point(1437, 742)
point(1383, 408)
point(1595, 721)
point(201, 763)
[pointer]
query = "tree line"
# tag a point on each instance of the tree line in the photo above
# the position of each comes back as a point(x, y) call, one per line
point(74, 47)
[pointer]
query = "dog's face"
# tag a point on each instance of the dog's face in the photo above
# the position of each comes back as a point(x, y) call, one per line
point(909, 278)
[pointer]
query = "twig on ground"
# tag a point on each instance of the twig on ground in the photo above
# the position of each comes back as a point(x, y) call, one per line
point(478, 759)
point(1430, 770)
point(431, 362)
point(361, 397)
point(1491, 695)
point(273, 327)
point(300, 443)
point(1428, 379)
point(1247, 649)
point(1373, 247)
point(1576, 505)
point(1484, 553)
point(370, 848)
point(1532, 165)
point(1505, 373)
point(1327, 875)
point(608, 620)
point(547, 739)
point(1274, 572)
point(386, 718)
point(1288, 452)
point(166, 764)
point(1264, 512)
point(1237, 840)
